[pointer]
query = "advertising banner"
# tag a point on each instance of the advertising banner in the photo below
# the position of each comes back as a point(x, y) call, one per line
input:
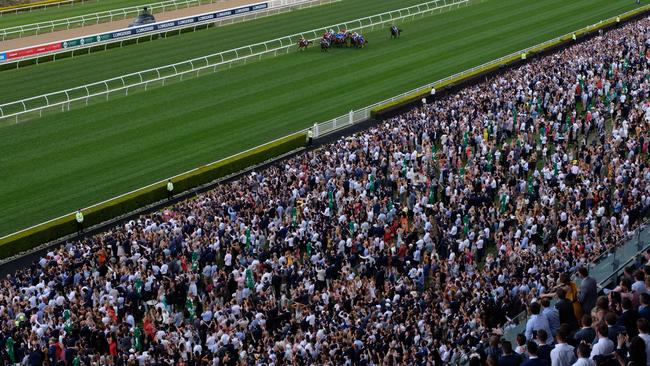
point(33, 50)
point(183, 22)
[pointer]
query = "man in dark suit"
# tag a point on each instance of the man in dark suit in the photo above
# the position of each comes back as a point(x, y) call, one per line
point(543, 349)
point(613, 330)
point(508, 358)
point(588, 290)
point(533, 359)
point(565, 308)
point(644, 308)
point(586, 333)
point(628, 318)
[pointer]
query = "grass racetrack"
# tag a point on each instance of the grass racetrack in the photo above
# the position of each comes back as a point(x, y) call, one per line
point(56, 164)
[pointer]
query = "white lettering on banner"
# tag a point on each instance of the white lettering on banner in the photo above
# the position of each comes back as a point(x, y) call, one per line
point(122, 34)
point(224, 14)
point(166, 25)
point(260, 6)
point(145, 29)
point(206, 17)
point(242, 10)
point(186, 21)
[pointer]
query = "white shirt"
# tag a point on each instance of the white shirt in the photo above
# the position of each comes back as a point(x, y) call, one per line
point(562, 355)
point(584, 362)
point(604, 346)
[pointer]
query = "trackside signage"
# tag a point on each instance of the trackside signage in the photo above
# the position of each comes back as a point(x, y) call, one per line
point(129, 32)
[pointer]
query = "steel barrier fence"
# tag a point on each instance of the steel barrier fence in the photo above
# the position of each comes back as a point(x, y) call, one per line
point(63, 100)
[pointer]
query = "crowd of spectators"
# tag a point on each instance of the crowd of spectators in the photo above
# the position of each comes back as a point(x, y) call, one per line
point(411, 243)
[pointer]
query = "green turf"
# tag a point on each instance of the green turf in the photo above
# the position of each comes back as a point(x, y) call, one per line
point(68, 73)
point(68, 11)
point(56, 164)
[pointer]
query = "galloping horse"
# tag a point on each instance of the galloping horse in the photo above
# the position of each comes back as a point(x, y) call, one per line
point(395, 32)
point(303, 44)
point(324, 44)
point(358, 41)
point(339, 39)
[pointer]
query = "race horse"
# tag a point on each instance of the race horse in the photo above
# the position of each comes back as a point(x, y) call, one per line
point(358, 41)
point(324, 44)
point(341, 38)
point(395, 32)
point(303, 44)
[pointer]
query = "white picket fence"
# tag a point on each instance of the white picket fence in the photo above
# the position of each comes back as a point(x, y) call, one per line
point(275, 7)
point(96, 18)
point(63, 100)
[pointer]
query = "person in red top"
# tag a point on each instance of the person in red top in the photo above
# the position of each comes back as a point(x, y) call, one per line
point(149, 329)
point(112, 345)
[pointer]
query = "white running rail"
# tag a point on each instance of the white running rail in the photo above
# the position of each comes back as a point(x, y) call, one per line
point(62, 100)
point(96, 18)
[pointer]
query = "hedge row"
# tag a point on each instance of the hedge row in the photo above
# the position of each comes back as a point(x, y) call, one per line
point(380, 110)
point(28, 239)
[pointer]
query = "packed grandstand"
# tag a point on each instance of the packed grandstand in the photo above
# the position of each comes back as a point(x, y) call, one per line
point(413, 242)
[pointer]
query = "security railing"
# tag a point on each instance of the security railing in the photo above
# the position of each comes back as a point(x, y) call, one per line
point(63, 100)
